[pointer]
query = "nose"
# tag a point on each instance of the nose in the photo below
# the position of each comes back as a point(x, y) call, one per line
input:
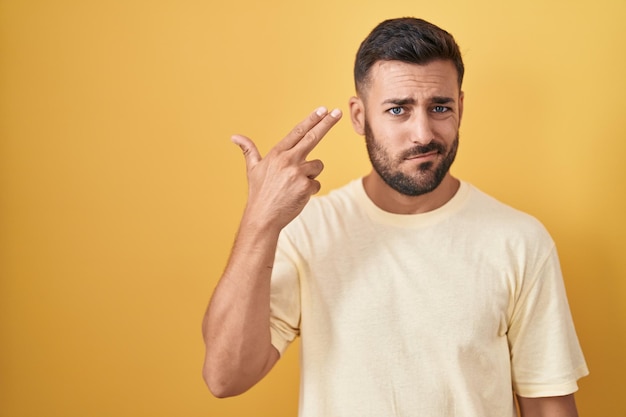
point(422, 129)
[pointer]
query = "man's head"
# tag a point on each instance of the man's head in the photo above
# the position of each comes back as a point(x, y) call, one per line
point(408, 75)
point(409, 40)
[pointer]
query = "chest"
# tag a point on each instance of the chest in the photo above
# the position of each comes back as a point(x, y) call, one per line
point(410, 285)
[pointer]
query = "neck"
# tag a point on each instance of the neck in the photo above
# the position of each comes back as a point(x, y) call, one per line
point(390, 200)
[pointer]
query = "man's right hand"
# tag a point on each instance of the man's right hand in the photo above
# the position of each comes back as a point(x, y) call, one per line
point(281, 183)
point(236, 325)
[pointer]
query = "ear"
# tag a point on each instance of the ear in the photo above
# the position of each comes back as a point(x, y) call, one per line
point(357, 115)
point(461, 97)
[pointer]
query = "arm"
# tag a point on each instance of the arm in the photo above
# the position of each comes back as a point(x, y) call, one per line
point(563, 406)
point(236, 326)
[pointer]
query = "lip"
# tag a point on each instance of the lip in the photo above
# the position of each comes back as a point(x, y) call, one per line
point(422, 156)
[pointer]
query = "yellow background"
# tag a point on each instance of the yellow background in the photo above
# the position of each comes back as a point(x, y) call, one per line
point(121, 192)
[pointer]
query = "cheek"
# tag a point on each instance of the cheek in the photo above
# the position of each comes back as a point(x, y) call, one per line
point(390, 133)
point(447, 129)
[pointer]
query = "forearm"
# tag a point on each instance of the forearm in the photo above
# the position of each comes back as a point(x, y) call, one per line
point(560, 406)
point(236, 325)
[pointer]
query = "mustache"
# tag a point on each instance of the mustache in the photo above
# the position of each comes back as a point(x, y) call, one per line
point(422, 149)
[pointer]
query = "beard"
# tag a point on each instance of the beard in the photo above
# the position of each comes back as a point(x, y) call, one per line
point(426, 177)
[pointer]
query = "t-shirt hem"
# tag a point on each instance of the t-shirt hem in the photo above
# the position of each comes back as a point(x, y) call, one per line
point(278, 341)
point(552, 390)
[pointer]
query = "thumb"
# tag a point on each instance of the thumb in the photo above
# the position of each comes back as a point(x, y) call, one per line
point(250, 151)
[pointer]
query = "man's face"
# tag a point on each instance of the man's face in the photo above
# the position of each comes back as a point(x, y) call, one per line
point(411, 121)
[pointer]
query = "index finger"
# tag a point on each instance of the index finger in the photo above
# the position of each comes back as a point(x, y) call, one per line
point(311, 130)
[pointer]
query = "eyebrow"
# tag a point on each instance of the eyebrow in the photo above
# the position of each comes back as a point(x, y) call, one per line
point(405, 101)
point(399, 101)
point(442, 100)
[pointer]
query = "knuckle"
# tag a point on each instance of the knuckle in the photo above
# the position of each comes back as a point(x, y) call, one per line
point(299, 130)
point(280, 160)
point(315, 172)
point(315, 186)
point(291, 173)
point(287, 164)
point(311, 136)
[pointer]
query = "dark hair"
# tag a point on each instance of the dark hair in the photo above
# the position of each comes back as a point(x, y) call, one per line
point(409, 40)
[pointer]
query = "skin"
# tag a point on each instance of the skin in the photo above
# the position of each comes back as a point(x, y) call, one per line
point(407, 105)
point(236, 325)
point(563, 406)
point(403, 107)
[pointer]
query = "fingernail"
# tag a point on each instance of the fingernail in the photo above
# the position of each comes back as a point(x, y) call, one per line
point(335, 113)
point(321, 111)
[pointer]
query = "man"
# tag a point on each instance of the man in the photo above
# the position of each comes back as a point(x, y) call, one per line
point(414, 293)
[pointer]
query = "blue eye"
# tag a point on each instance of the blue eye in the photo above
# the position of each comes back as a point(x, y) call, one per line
point(396, 111)
point(440, 109)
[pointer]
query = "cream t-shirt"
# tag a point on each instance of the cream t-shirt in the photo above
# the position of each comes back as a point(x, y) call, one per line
point(437, 314)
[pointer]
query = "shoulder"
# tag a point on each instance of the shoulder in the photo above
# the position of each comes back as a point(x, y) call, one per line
point(500, 223)
point(486, 209)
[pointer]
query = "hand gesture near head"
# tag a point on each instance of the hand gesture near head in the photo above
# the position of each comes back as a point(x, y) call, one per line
point(237, 323)
point(281, 183)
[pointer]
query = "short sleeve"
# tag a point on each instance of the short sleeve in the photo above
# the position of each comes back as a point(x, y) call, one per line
point(284, 297)
point(546, 357)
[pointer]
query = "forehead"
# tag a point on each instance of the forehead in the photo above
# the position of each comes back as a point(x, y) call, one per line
point(397, 79)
